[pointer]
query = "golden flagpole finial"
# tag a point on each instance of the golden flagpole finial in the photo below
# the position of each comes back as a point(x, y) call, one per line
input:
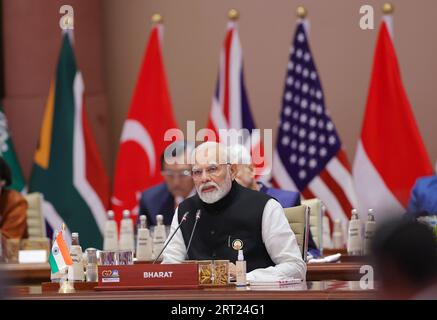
point(157, 18)
point(68, 22)
point(233, 14)
point(388, 8)
point(301, 12)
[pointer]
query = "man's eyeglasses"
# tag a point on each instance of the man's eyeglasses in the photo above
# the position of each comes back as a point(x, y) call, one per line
point(180, 174)
point(212, 170)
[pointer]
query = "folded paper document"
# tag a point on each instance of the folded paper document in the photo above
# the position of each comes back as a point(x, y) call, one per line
point(279, 283)
point(332, 258)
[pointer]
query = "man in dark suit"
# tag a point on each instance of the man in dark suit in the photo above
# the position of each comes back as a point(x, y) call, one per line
point(165, 197)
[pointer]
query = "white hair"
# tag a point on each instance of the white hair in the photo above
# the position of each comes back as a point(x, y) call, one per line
point(204, 148)
point(238, 154)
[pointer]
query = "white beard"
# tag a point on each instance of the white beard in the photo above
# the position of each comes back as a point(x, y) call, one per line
point(219, 193)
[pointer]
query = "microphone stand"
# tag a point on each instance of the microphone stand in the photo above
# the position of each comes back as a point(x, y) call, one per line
point(184, 218)
point(192, 233)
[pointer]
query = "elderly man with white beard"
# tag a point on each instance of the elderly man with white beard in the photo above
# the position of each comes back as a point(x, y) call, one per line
point(233, 214)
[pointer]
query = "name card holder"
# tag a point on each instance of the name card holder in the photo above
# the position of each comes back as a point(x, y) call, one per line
point(148, 276)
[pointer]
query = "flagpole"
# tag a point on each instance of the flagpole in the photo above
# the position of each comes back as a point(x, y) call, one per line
point(387, 10)
point(233, 16)
point(157, 21)
point(68, 29)
point(302, 13)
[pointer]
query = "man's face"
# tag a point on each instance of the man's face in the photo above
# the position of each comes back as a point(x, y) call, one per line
point(245, 175)
point(177, 176)
point(212, 179)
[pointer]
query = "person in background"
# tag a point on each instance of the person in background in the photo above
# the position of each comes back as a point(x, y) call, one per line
point(424, 195)
point(165, 197)
point(405, 259)
point(13, 207)
point(240, 156)
point(233, 217)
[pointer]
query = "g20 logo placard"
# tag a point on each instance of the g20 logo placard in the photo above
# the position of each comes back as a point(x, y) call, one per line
point(106, 273)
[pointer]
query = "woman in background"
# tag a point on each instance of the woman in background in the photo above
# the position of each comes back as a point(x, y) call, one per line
point(13, 207)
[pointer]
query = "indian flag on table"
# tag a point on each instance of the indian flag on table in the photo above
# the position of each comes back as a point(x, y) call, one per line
point(59, 255)
point(67, 167)
point(7, 152)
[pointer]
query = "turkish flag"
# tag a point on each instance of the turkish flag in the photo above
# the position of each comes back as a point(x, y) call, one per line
point(390, 155)
point(142, 139)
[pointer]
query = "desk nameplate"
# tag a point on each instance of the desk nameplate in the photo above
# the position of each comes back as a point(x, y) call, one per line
point(148, 276)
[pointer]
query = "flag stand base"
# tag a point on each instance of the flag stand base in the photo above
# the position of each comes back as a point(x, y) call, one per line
point(66, 287)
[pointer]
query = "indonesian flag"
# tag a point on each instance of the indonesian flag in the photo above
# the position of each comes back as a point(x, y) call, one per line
point(142, 139)
point(390, 155)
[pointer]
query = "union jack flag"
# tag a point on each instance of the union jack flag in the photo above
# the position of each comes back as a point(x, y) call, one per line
point(230, 105)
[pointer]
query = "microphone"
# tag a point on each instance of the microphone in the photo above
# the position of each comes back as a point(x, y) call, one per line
point(184, 218)
point(192, 232)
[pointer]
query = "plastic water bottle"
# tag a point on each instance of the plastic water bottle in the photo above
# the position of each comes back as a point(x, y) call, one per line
point(110, 240)
point(355, 238)
point(127, 233)
point(159, 236)
point(369, 231)
point(144, 241)
point(76, 270)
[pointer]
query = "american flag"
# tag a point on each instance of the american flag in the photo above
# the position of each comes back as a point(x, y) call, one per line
point(308, 155)
point(230, 105)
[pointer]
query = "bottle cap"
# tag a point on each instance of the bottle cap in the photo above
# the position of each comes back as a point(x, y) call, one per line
point(91, 254)
point(371, 216)
point(74, 238)
point(126, 214)
point(240, 255)
point(354, 214)
point(143, 221)
point(110, 214)
point(159, 219)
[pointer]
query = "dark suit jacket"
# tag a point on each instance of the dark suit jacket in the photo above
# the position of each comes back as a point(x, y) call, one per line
point(157, 200)
point(286, 198)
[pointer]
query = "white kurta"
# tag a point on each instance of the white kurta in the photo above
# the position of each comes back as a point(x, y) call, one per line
point(278, 238)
